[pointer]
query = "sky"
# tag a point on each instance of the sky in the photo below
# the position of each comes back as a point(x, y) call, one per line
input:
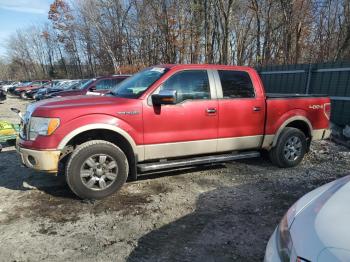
point(16, 14)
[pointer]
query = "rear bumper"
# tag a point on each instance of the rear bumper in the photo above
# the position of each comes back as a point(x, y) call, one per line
point(319, 134)
point(43, 160)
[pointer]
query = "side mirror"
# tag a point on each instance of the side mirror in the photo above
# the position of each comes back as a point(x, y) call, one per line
point(165, 97)
point(93, 88)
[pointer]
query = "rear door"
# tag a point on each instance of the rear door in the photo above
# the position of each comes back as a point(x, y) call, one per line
point(188, 127)
point(241, 111)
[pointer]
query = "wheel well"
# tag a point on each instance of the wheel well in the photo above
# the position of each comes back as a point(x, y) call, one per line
point(302, 126)
point(107, 135)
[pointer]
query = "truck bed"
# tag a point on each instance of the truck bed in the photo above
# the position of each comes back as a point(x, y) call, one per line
point(309, 107)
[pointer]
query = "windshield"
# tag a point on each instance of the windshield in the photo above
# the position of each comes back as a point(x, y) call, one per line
point(134, 86)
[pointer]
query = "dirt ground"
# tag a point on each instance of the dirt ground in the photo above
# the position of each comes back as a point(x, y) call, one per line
point(218, 213)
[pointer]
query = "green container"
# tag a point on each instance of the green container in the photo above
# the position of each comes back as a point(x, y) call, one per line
point(8, 131)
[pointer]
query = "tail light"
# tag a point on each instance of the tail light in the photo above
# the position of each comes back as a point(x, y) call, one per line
point(327, 110)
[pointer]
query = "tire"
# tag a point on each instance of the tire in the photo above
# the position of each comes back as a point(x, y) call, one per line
point(23, 95)
point(92, 162)
point(290, 148)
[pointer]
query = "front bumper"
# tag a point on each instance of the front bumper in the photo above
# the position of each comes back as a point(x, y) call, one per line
point(43, 160)
point(271, 253)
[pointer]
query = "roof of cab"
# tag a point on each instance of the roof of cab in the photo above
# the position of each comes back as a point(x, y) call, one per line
point(203, 66)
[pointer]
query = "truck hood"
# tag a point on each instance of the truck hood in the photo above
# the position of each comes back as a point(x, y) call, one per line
point(72, 106)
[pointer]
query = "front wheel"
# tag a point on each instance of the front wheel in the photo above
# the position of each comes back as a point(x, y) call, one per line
point(290, 148)
point(23, 95)
point(96, 169)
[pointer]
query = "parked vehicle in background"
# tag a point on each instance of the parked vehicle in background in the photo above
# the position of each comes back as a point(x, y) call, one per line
point(51, 91)
point(167, 117)
point(11, 89)
point(5, 87)
point(316, 228)
point(2, 95)
point(21, 90)
point(31, 92)
point(95, 86)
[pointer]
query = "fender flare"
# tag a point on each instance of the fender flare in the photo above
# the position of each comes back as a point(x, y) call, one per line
point(288, 121)
point(82, 129)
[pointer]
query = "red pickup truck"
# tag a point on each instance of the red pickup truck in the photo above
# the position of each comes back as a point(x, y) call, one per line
point(166, 117)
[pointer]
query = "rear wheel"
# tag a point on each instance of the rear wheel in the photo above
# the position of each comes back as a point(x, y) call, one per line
point(96, 169)
point(290, 148)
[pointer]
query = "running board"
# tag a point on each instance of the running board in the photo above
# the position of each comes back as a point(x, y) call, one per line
point(195, 161)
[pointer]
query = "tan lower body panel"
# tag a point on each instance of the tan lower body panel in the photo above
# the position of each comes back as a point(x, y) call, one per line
point(159, 151)
point(239, 143)
point(268, 141)
point(166, 150)
point(319, 134)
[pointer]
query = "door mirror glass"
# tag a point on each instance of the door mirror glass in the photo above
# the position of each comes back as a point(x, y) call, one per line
point(92, 89)
point(164, 97)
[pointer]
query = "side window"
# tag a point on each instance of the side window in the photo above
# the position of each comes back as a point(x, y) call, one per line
point(103, 84)
point(189, 85)
point(236, 84)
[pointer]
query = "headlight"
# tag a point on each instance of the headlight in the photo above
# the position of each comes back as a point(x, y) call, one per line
point(42, 126)
point(284, 239)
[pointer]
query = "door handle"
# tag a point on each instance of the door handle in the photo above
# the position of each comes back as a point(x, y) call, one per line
point(211, 110)
point(256, 108)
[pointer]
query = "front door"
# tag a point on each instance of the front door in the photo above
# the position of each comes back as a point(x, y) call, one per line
point(188, 127)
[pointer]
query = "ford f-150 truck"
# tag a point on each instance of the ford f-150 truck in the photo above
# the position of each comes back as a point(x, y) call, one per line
point(167, 117)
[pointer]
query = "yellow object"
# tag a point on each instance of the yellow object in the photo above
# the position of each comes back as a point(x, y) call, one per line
point(7, 129)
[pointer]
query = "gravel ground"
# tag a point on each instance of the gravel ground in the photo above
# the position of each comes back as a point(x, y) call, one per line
point(218, 213)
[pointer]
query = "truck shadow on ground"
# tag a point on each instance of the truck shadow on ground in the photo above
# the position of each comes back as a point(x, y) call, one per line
point(229, 224)
point(14, 176)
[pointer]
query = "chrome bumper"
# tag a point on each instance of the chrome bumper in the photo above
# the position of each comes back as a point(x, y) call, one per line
point(43, 160)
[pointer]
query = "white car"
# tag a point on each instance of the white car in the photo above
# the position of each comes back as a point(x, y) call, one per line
point(316, 228)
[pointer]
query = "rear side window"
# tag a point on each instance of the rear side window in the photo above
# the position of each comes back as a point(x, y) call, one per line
point(236, 84)
point(189, 85)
